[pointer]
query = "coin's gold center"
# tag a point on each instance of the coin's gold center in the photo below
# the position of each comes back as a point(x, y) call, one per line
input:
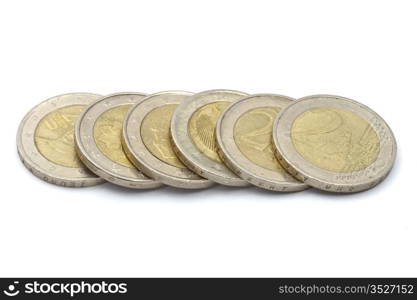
point(202, 128)
point(335, 139)
point(155, 134)
point(54, 136)
point(108, 134)
point(253, 136)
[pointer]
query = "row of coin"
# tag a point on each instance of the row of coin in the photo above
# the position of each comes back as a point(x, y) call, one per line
point(192, 141)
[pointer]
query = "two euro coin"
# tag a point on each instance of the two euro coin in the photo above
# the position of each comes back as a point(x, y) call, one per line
point(334, 143)
point(98, 134)
point(244, 133)
point(45, 141)
point(146, 140)
point(193, 128)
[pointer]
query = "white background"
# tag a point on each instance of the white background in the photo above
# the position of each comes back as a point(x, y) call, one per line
point(364, 50)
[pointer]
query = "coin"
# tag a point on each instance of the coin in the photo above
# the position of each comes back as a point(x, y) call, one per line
point(45, 141)
point(147, 143)
point(98, 142)
point(244, 136)
point(193, 128)
point(334, 143)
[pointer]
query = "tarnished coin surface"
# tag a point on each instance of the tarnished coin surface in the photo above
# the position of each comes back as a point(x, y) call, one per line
point(334, 144)
point(244, 136)
point(193, 129)
point(45, 141)
point(98, 140)
point(146, 140)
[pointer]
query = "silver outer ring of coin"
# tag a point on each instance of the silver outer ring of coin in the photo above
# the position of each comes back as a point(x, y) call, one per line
point(184, 146)
point(237, 161)
point(35, 161)
point(323, 179)
point(92, 156)
point(142, 158)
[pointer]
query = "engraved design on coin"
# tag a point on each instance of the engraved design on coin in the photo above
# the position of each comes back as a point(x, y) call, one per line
point(335, 139)
point(253, 134)
point(54, 136)
point(202, 128)
point(155, 134)
point(108, 132)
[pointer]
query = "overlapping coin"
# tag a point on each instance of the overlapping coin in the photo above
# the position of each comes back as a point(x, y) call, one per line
point(334, 143)
point(193, 129)
point(45, 141)
point(244, 136)
point(98, 135)
point(146, 140)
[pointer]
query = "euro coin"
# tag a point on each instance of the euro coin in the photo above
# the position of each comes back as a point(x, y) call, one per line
point(98, 141)
point(146, 141)
point(334, 143)
point(193, 128)
point(45, 141)
point(244, 136)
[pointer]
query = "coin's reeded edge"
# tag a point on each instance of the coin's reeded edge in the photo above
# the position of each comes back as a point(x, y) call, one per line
point(155, 174)
point(227, 158)
point(38, 171)
point(319, 183)
point(196, 167)
point(113, 178)
point(60, 181)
